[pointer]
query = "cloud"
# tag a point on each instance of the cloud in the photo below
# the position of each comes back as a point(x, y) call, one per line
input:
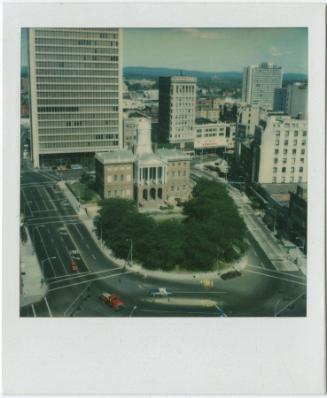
point(203, 33)
point(276, 52)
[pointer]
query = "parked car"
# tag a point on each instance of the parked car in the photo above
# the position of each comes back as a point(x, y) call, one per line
point(231, 274)
point(159, 292)
point(113, 300)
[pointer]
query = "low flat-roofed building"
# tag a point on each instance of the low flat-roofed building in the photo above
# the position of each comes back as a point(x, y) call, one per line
point(152, 179)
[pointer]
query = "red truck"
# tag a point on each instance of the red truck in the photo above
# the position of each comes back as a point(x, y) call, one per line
point(113, 300)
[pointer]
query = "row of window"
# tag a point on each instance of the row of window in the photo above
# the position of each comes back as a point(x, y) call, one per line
point(77, 101)
point(291, 179)
point(78, 72)
point(285, 160)
point(71, 80)
point(77, 94)
point(294, 151)
point(81, 87)
point(78, 123)
point(177, 173)
point(287, 142)
point(284, 169)
point(101, 112)
point(79, 65)
point(120, 177)
point(75, 57)
point(78, 33)
point(75, 50)
point(73, 144)
point(295, 133)
point(119, 193)
point(75, 42)
point(77, 138)
point(182, 89)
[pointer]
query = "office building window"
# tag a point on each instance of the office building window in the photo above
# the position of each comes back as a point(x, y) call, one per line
point(276, 151)
point(275, 170)
point(275, 160)
point(286, 142)
point(283, 169)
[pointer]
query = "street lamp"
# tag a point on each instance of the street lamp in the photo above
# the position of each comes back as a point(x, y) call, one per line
point(46, 259)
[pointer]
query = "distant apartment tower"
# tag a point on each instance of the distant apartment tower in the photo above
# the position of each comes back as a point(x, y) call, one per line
point(177, 106)
point(76, 88)
point(259, 84)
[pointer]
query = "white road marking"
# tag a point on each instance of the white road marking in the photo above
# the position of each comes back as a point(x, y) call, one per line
point(79, 232)
point(87, 245)
point(62, 263)
point(47, 304)
point(33, 309)
point(290, 303)
point(275, 277)
point(63, 278)
point(46, 251)
point(88, 281)
point(93, 256)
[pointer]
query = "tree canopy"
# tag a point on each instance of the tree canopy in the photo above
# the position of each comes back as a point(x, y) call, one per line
point(212, 232)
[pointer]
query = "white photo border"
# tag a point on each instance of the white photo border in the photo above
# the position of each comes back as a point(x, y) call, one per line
point(164, 355)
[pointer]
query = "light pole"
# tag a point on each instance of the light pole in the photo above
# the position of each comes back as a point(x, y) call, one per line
point(46, 259)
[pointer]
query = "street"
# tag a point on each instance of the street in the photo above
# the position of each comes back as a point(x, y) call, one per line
point(58, 234)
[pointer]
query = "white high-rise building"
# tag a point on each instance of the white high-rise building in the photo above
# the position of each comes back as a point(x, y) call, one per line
point(259, 84)
point(76, 92)
point(283, 151)
point(177, 107)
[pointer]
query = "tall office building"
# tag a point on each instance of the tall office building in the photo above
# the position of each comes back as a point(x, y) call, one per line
point(177, 106)
point(76, 93)
point(292, 100)
point(259, 84)
point(297, 99)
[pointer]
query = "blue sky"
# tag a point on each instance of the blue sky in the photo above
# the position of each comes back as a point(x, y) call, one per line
point(214, 50)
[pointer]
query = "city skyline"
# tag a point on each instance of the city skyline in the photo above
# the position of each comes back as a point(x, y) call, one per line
point(211, 50)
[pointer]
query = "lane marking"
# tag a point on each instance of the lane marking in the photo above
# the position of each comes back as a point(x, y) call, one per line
point(275, 277)
point(48, 307)
point(88, 281)
point(290, 303)
point(46, 251)
point(93, 256)
point(79, 232)
point(79, 250)
point(62, 263)
point(63, 278)
point(33, 309)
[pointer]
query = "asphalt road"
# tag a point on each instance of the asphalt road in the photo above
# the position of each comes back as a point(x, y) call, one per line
point(56, 230)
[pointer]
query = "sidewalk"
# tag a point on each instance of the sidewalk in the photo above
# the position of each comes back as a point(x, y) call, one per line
point(182, 277)
point(33, 287)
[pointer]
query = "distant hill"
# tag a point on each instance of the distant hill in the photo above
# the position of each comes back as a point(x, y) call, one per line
point(149, 72)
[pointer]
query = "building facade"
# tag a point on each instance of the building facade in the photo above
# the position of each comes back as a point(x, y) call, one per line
point(259, 84)
point(297, 100)
point(177, 108)
point(283, 151)
point(76, 88)
point(208, 108)
point(214, 136)
point(152, 179)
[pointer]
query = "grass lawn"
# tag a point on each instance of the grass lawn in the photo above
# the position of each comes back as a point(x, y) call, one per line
point(83, 193)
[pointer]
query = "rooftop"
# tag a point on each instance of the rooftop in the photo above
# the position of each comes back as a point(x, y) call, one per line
point(120, 156)
point(172, 154)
